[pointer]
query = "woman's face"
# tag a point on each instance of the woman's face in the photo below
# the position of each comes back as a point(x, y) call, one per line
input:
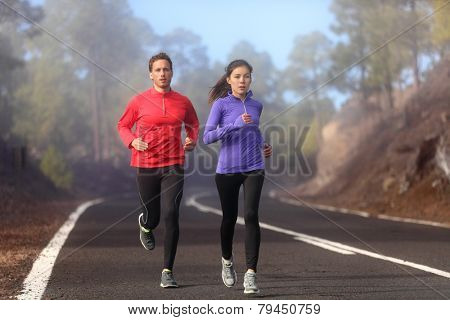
point(240, 80)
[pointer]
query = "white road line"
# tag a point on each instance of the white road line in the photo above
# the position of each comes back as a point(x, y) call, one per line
point(358, 213)
point(35, 283)
point(409, 220)
point(319, 242)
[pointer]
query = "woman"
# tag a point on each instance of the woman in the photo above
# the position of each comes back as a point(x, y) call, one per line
point(234, 120)
point(158, 155)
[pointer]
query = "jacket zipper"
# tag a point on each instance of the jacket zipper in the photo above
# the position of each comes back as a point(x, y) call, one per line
point(243, 103)
point(164, 106)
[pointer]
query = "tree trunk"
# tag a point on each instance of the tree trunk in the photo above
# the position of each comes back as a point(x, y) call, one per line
point(95, 115)
point(362, 79)
point(388, 87)
point(415, 47)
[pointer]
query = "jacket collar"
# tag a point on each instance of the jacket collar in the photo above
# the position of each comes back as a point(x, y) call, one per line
point(249, 94)
point(154, 92)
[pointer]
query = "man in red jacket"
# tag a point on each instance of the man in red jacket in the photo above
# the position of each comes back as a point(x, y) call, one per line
point(158, 155)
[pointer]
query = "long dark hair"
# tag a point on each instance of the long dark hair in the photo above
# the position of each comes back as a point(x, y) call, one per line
point(222, 87)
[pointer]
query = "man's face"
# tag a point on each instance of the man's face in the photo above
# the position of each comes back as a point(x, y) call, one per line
point(161, 74)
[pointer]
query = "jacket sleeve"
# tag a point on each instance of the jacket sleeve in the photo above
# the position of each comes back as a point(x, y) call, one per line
point(212, 133)
point(191, 122)
point(127, 122)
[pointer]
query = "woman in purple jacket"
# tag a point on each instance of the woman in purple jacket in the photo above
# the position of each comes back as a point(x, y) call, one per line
point(234, 120)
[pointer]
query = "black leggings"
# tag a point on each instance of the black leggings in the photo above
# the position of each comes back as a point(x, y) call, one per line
point(160, 190)
point(228, 186)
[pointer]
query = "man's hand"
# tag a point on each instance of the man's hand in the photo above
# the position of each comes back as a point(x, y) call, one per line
point(189, 144)
point(267, 150)
point(139, 144)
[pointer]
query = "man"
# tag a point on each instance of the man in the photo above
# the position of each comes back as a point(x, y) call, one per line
point(158, 155)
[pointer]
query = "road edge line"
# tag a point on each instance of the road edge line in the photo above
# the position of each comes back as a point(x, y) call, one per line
point(363, 214)
point(34, 285)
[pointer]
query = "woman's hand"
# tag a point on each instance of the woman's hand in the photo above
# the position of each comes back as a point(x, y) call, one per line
point(247, 118)
point(139, 144)
point(189, 144)
point(267, 150)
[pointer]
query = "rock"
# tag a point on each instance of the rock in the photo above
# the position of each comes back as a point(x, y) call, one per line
point(436, 183)
point(404, 186)
point(427, 153)
point(388, 183)
point(443, 159)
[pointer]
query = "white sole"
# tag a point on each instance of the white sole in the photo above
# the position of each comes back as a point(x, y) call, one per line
point(169, 286)
point(229, 286)
point(251, 292)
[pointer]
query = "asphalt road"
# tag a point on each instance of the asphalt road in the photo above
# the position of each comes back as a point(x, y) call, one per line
point(103, 258)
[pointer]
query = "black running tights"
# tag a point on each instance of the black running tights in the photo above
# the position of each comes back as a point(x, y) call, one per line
point(228, 186)
point(160, 190)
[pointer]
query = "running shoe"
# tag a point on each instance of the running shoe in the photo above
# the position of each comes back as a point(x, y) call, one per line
point(250, 286)
point(229, 276)
point(167, 280)
point(146, 236)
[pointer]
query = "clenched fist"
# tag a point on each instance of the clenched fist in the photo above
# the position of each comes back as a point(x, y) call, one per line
point(189, 144)
point(267, 150)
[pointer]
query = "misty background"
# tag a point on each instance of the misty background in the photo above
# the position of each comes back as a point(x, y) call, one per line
point(68, 69)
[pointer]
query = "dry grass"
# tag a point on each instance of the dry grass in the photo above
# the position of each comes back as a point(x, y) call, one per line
point(24, 232)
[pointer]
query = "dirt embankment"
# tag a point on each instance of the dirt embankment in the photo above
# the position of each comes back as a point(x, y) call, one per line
point(389, 161)
point(32, 210)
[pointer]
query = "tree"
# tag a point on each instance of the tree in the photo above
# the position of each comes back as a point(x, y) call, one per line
point(417, 40)
point(364, 26)
point(97, 70)
point(51, 111)
point(12, 51)
point(192, 72)
point(309, 65)
point(186, 50)
point(441, 28)
point(385, 66)
point(54, 166)
point(350, 25)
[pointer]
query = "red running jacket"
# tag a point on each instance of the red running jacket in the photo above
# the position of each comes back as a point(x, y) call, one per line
point(158, 118)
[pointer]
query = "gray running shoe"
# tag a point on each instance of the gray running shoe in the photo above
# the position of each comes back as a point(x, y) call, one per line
point(146, 236)
point(250, 286)
point(229, 276)
point(167, 280)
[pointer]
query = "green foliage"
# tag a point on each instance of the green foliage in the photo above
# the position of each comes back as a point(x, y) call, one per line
point(384, 21)
point(441, 27)
point(366, 25)
point(52, 96)
point(311, 144)
point(12, 27)
point(350, 26)
point(56, 168)
point(309, 64)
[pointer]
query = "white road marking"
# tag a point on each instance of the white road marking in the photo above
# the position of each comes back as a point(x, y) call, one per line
point(35, 283)
point(358, 213)
point(409, 220)
point(319, 242)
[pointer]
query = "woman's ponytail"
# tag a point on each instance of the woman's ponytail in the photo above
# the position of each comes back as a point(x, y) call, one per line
point(220, 90)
